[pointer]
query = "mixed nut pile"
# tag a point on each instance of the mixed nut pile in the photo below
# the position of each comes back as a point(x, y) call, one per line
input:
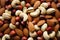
point(29, 19)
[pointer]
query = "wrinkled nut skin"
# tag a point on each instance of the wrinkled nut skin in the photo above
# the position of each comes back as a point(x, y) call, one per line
point(4, 27)
point(19, 32)
point(16, 38)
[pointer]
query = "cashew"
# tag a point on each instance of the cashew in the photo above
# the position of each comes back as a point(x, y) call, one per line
point(35, 13)
point(23, 3)
point(58, 34)
point(50, 10)
point(30, 38)
point(45, 5)
point(30, 9)
point(12, 26)
point(6, 36)
point(44, 26)
point(7, 14)
point(24, 15)
point(1, 18)
point(14, 2)
point(18, 12)
point(25, 9)
point(34, 34)
point(45, 35)
point(52, 35)
point(36, 27)
point(42, 9)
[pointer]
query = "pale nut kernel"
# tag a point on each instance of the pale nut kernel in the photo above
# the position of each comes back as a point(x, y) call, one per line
point(12, 26)
point(36, 27)
point(18, 12)
point(32, 34)
point(35, 13)
point(58, 34)
point(30, 38)
point(25, 9)
point(45, 5)
point(50, 10)
point(24, 15)
point(52, 35)
point(14, 2)
point(1, 18)
point(30, 9)
point(42, 9)
point(44, 26)
point(23, 3)
point(6, 36)
point(46, 36)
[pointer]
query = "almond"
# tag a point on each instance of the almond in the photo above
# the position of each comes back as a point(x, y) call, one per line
point(7, 31)
point(41, 22)
point(16, 38)
point(48, 0)
point(48, 16)
point(29, 18)
point(28, 1)
point(53, 4)
point(19, 32)
point(56, 28)
point(2, 10)
point(3, 2)
point(25, 31)
point(36, 4)
point(4, 27)
point(33, 1)
point(55, 38)
point(35, 20)
point(31, 27)
point(13, 20)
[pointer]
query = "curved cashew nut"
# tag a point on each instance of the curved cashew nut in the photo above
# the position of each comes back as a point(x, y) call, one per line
point(23, 3)
point(25, 9)
point(14, 2)
point(58, 34)
point(35, 13)
point(24, 15)
point(12, 26)
point(18, 12)
point(50, 10)
point(1, 18)
point(44, 26)
point(42, 9)
point(36, 27)
point(52, 34)
point(30, 38)
point(34, 34)
point(30, 9)
point(45, 35)
point(45, 5)
point(6, 36)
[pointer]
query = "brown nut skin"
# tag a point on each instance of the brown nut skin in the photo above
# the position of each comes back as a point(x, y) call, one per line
point(29, 18)
point(13, 20)
point(7, 31)
point(48, 16)
point(5, 26)
point(16, 38)
point(2, 10)
point(19, 32)
point(25, 32)
point(55, 38)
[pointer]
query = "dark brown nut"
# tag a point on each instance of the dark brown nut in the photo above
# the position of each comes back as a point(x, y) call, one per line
point(56, 28)
point(32, 2)
point(25, 32)
point(2, 10)
point(31, 27)
point(7, 31)
point(29, 18)
point(4, 27)
point(13, 20)
point(53, 5)
point(48, 0)
point(1, 34)
point(16, 38)
point(28, 1)
point(3, 2)
point(35, 20)
point(41, 22)
point(57, 14)
point(52, 22)
point(19, 32)
point(48, 16)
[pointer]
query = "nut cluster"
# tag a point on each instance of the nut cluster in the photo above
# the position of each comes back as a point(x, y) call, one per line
point(30, 19)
